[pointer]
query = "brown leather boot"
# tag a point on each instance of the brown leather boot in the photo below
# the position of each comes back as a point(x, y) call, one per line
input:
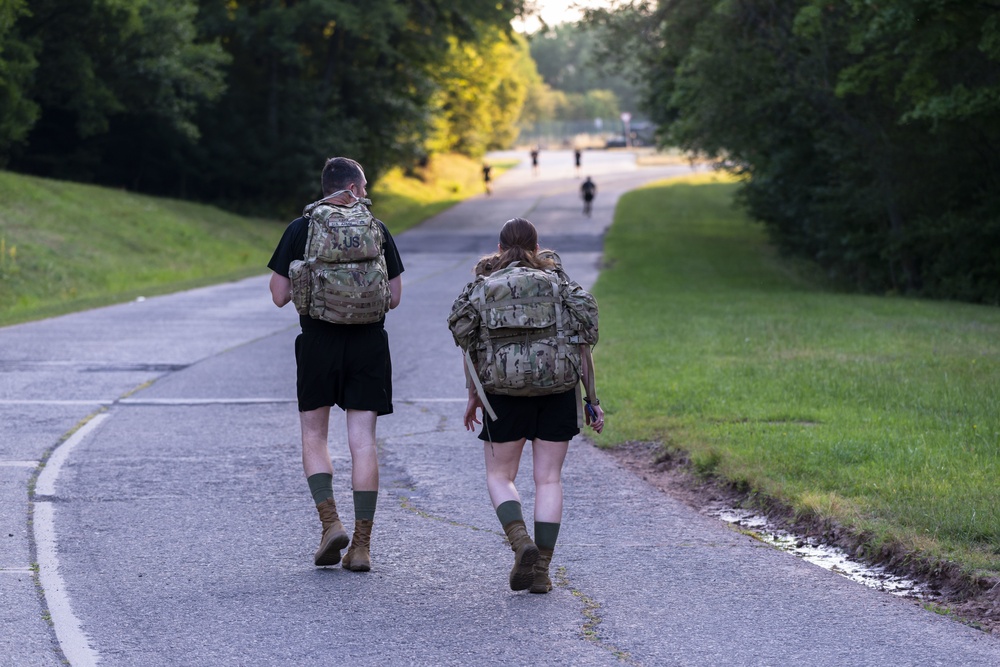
point(541, 582)
point(334, 536)
point(525, 555)
point(358, 557)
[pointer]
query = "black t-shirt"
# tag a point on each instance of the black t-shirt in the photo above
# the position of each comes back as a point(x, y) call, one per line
point(292, 246)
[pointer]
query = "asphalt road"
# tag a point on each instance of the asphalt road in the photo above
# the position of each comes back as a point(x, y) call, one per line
point(175, 527)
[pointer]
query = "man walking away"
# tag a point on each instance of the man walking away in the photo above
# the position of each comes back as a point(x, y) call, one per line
point(340, 267)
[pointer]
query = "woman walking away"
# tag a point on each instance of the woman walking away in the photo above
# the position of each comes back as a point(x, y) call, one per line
point(526, 330)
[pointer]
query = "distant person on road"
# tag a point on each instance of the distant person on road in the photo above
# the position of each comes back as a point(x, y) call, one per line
point(487, 178)
point(577, 157)
point(526, 330)
point(534, 161)
point(339, 266)
point(588, 191)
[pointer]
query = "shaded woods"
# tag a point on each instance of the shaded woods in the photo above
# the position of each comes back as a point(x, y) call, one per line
point(239, 101)
point(868, 133)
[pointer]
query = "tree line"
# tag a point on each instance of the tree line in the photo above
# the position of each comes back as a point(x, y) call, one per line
point(867, 132)
point(240, 101)
point(576, 84)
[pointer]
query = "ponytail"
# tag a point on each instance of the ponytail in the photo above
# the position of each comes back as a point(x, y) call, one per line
point(518, 243)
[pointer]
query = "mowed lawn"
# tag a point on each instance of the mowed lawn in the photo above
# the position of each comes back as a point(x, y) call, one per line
point(882, 413)
point(66, 247)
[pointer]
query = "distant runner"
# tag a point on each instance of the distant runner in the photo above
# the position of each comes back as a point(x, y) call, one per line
point(588, 191)
point(487, 180)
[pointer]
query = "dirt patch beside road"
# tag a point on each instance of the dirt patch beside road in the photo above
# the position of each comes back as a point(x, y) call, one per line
point(973, 601)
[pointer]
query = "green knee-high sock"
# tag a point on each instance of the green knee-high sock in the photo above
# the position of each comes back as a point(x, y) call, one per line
point(364, 504)
point(546, 534)
point(509, 511)
point(321, 486)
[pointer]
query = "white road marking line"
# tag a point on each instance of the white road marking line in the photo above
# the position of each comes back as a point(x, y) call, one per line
point(29, 401)
point(46, 485)
point(16, 570)
point(74, 643)
point(203, 401)
point(19, 464)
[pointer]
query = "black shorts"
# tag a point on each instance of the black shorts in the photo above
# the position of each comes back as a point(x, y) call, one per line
point(553, 417)
point(348, 366)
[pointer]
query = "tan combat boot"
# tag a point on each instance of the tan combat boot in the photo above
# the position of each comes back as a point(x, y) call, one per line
point(525, 555)
point(358, 557)
point(334, 536)
point(541, 582)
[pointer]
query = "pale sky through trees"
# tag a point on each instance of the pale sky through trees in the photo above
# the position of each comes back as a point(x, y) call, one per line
point(557, 11)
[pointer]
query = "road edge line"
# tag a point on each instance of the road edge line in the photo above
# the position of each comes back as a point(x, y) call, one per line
point(45, 485)
point(72, 640)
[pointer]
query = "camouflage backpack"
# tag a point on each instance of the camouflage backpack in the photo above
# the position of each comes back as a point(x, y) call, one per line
point(343, 278)
point(522, 328)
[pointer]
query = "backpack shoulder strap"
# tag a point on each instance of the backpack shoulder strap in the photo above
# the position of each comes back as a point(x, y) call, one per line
point(471, 369)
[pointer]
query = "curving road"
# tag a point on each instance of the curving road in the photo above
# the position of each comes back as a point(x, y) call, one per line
point(174, 527)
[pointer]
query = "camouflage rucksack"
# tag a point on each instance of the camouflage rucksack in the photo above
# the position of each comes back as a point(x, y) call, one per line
point(343, 278)
point(522, 328)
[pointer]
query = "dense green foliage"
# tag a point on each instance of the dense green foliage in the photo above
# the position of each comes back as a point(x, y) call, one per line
point(240, 101)
point(581, 85)
point(880, 413)
point(102, 79)
point(481, 90)
point(868, 132)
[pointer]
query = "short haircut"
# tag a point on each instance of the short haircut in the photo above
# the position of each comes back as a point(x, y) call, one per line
point(339, 173)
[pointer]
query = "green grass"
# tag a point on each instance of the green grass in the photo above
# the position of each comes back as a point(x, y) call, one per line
point(880, 413)
point(402, 201)
point(65, 247)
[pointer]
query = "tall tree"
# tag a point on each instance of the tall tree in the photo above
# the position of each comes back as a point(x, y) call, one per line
point(571, 58)
point(866, 131)
point(234, 101)
point(18, 112)
point(480, 91)
point(314, 78)
point(109, 73)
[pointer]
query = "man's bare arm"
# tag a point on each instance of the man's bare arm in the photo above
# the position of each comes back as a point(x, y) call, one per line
point(395, 291)
point(281, 290)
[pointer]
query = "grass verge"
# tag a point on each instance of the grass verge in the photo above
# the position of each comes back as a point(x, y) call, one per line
point(403, 200)
point(66, 247)
point(880, 414)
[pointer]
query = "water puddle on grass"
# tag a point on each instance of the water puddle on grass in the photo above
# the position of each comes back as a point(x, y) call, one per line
point(828, 557)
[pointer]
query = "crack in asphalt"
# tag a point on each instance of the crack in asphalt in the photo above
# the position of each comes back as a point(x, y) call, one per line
point(592, 618)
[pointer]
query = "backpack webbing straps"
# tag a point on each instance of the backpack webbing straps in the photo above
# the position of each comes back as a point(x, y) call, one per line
point(588, 362)
point(579, 407)
point(471, 368)
point(560, 332)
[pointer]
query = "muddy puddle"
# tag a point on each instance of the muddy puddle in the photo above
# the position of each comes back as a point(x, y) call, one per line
point(828, 557)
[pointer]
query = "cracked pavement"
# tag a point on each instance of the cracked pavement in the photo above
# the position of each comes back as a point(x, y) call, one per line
point(184, 529)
